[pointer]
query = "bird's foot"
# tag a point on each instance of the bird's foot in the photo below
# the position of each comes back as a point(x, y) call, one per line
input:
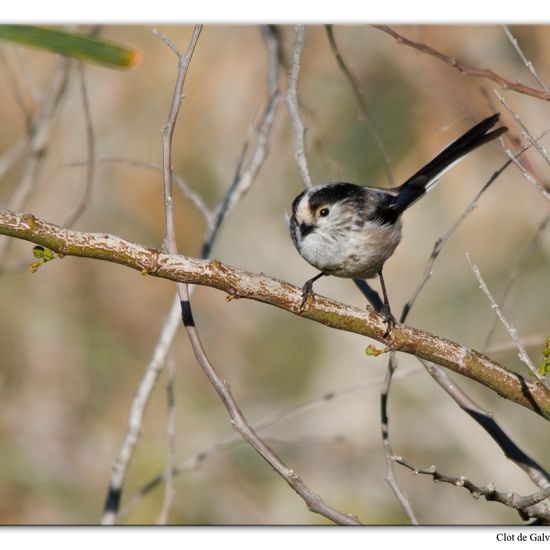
point(389, 319)
point(307, 292)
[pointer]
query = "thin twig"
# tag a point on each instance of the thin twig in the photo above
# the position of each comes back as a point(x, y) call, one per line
point(527, 63)
point(298, 130)
point(170, 444)
point(361, 103)
point(384, 422)
point(392, 362)
point(305, 440)
point(313, 501)
point(137, 411)
point(440, 243)
point(522, 354)
point(308, 406)
point(169, 43)
point(90, 152)
point(513, 277)
point(245, 175)
point(170, 239)
point(538, 475)
point(112, 503)
point(241, 185)
point(196, 460)
point(391, 369)
point(525, 173)
point(168, 133)
point(41, 129)
point(535, 471)
point(182, 185)
point(525, 505)
point(525, 131)
point(465, 68)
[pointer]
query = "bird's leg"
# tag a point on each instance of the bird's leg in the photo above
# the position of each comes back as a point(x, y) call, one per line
point(370, 294)
point(386, 311)
point(307, 289)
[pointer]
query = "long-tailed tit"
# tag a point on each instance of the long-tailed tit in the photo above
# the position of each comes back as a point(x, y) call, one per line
point(349, 230)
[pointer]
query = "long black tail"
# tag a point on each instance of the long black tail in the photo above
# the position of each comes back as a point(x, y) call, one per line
point(427, 176)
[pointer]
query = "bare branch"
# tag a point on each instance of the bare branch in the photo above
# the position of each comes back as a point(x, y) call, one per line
point(440, 377)
point(170, 244)
point(239, 422)
point(465, 68)
point(243, 181)
point(242, 284)
point(525, 131)
point(527, 63)
point(535, 471)
point(298, 130)
point(170, 448)
point(329, 396)
point(137, 411)
point(112, 503)
point(518, 268)
point(90, 151)
point(168, 42)
point(41, 129)
point(178, 180)
point(440, 243)
point(361, 103)
point(246, 175)
point(524, 357)
point(168, 133)
point(313, 501)
point(522, 504)
point(388, 453)
point(526, 174)
point(196, 460)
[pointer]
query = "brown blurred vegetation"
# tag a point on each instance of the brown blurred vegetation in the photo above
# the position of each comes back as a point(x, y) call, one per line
point(77, 335)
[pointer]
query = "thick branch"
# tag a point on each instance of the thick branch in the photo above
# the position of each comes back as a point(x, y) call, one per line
point(242, 284)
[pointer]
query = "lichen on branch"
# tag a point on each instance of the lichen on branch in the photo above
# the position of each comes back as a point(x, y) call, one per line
point(243, 284)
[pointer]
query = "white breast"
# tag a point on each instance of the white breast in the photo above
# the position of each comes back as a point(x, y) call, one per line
point(357, 254)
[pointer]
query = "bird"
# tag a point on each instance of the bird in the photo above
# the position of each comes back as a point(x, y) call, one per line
point(349, 230)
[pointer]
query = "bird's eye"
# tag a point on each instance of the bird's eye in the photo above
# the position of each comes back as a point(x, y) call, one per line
point(323, 212)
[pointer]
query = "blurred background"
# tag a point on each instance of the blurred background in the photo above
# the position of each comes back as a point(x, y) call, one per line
point(77, 335)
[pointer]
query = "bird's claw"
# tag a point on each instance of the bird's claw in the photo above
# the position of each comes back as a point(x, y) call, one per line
point(307, 291)
point(389, 319)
